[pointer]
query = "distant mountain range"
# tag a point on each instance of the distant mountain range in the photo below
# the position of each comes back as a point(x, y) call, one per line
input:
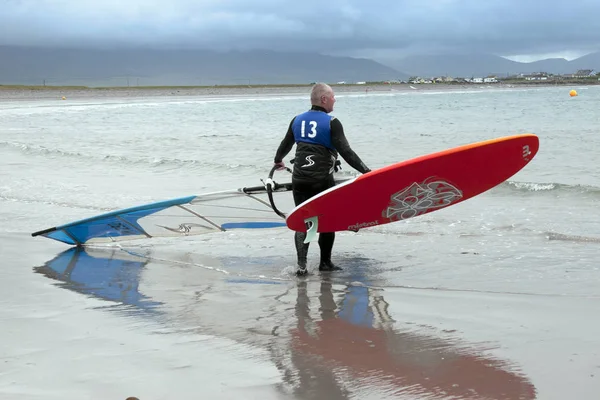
point(142, 67)
point(146, 67)
point(481, 65)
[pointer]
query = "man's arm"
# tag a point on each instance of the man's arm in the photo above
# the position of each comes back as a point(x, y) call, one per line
point(286, 144)
point(339, 141)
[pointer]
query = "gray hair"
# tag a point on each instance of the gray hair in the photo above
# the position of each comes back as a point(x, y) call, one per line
point(318, 90)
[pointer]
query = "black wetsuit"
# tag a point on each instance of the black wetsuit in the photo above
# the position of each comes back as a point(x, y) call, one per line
point(314, 165)
point(309, 181)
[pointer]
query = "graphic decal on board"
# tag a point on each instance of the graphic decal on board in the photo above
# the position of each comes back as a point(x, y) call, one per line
point(421, 198)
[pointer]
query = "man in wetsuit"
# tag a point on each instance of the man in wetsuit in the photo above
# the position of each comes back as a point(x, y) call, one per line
point(319, 138)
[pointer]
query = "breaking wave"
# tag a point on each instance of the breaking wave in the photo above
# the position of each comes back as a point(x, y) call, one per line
point(571, 238)
point(529, 187)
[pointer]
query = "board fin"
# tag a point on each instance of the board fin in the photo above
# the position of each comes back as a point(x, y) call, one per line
point(312, 225)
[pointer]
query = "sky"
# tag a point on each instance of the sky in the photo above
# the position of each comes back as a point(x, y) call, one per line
point(523, 30)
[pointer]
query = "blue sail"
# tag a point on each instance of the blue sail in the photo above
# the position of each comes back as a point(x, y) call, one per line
point(245, 208)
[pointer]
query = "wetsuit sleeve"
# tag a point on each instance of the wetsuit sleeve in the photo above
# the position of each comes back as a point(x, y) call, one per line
point(286, 144)
point(339, 141)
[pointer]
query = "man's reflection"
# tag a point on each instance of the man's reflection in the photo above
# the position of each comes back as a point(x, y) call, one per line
point(353, 339)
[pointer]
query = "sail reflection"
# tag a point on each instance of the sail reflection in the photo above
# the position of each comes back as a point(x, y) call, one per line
point(104, 273)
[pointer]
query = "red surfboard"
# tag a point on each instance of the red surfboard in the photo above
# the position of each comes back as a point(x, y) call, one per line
point(414, 187)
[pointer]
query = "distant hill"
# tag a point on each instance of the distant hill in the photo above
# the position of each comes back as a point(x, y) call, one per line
point(147, 67)
point(144, 67)
point(480, 65)
point(590, 61)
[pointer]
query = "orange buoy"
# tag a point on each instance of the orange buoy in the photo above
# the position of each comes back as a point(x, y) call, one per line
point(573, 93)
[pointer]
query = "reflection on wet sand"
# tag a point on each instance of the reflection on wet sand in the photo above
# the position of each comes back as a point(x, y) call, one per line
point(107, 274)
point(355, 339)
point(337, 342)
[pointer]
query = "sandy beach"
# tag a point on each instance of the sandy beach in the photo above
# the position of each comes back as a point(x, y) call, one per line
point(41, 93)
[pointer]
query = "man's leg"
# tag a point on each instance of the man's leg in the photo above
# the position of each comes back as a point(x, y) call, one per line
point(301, 194)
point(326, 240)
point(301, 249)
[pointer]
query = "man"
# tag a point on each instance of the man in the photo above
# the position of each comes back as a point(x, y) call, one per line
point(319, 138)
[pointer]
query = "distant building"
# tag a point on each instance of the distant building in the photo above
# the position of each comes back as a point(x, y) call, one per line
point(538, 76)
point(584, 73)
point(441, 79)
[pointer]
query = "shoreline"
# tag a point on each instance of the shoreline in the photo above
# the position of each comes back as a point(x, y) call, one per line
point(32, 92)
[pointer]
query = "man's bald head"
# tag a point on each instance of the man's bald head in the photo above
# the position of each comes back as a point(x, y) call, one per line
point(322, 95)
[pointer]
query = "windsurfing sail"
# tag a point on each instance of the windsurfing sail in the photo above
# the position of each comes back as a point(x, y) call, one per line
point(243, 208)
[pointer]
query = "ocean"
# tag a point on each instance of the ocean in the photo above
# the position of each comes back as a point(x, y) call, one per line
point(495, 298)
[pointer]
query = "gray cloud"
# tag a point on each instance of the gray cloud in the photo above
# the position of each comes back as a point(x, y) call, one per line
point(337, 26)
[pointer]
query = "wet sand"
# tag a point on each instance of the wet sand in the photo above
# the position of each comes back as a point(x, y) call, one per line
point(156, 323)
point(59, 344)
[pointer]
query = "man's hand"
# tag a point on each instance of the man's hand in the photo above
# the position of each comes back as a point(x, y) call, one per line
point(280, 166)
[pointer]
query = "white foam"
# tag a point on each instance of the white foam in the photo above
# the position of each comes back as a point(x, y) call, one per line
point(536, 187)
